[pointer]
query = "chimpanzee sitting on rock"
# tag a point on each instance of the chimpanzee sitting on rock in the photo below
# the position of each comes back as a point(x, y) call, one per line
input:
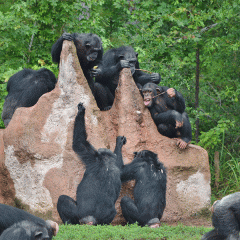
point(149, 191)
point(107, 73)
point(225, 219)
point(89, 52)
point(25, 88)
point(11, 215)
point(167, 107)
point(101, 183)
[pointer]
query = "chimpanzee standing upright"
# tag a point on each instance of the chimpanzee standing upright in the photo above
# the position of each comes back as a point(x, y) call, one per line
point(149, 191)
point(107, 73)
point(25, 88)
point(225, 219)
point(101, 183)
point(167, 108)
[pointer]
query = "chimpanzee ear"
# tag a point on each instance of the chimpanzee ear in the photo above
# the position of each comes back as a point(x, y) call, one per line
point(158, 90)
point(38, 234)
point(136, 54)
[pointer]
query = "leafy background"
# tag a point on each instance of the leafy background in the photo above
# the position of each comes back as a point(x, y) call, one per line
point(193, 44)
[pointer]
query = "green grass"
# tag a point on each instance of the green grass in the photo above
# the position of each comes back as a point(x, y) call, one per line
point(130, 232)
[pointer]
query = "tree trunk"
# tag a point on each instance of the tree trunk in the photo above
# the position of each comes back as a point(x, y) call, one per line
point(197, 93)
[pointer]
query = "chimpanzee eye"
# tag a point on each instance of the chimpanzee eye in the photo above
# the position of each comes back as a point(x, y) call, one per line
point(88, 45)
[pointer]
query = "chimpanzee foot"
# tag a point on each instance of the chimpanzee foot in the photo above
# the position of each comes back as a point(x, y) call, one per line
point(179, 124)
point(122, 140)
point(154, 223)
point(182, 144)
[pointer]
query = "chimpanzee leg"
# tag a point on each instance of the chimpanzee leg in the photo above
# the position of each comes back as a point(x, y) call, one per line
point(129, 210)
point(167, 130)
point(168, 117)
point(185, 130)
point(103, 96)
point(67, 210)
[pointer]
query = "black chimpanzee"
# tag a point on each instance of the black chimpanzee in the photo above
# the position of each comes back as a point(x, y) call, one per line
point(101, 183)
point(89, 51)
point(107, 72)
point(225, 219)
point(25, 88)
point(25, 230)
point(167, 107)
point(149, 191)
point(11, 215)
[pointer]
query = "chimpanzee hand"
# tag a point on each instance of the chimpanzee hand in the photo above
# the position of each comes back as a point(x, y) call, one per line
point(125, 63)
point(121, 139)
point(81, 108)
point(96, 72)
point(156, 78)
point(171, 92)
point(67, 36)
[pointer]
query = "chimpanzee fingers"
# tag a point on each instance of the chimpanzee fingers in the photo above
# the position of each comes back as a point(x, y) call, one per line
point(81, 108)
point(96, 72)
point(156, 78)
point(124, 140)
point(171, 92)
point(67, 36)
point(125, 63)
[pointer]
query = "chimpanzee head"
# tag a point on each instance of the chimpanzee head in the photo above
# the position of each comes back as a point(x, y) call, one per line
point(89, 48)
point(129, 55)
point(149, 92)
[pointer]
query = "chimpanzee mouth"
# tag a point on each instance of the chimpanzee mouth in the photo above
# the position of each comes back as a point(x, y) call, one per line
point(147, 101)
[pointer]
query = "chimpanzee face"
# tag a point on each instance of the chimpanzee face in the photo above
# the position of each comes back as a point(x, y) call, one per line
point(93, 49)
point(148, 97)
point(131, 58)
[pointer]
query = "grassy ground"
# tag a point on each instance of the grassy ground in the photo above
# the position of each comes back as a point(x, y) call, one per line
point(130, 232)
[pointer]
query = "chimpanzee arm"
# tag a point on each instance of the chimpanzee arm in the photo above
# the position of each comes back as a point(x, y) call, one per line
point(128, 172)
point(185, 130)
point(81, 146)
point(168, 117)
point(143, 78)
point(57, 47)
point(120, 141)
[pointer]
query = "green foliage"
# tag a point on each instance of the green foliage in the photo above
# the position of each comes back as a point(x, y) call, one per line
point(129, 232)
point(166, 34)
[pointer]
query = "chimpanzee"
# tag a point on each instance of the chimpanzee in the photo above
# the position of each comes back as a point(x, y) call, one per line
point(25, 230)
point(167, 107)
point(25, 88)
point(89, 52)
point(107, 72)
point(149, 191)
point(11, 215)
point(101, 183)
point(225, 219)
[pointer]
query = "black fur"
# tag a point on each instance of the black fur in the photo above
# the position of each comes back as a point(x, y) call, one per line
point(25, 88)
point(107, 73)
point(225, 219)
point(11, 215)
point(166, 110)
point(149, 191)
point(101, 183)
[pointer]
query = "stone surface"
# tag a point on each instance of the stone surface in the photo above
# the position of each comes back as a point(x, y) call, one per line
point(36, 153)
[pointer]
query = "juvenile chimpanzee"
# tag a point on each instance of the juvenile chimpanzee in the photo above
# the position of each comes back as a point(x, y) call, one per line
point(225, 219)
point(25, 230)
point(149, 191)
point(167, 107)
point(101, 183)
point(89, 51)
point(25, 88)
point(11, 215)
point(107, 72)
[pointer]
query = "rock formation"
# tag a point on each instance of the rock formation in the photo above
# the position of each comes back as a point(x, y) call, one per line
point(38, 163)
